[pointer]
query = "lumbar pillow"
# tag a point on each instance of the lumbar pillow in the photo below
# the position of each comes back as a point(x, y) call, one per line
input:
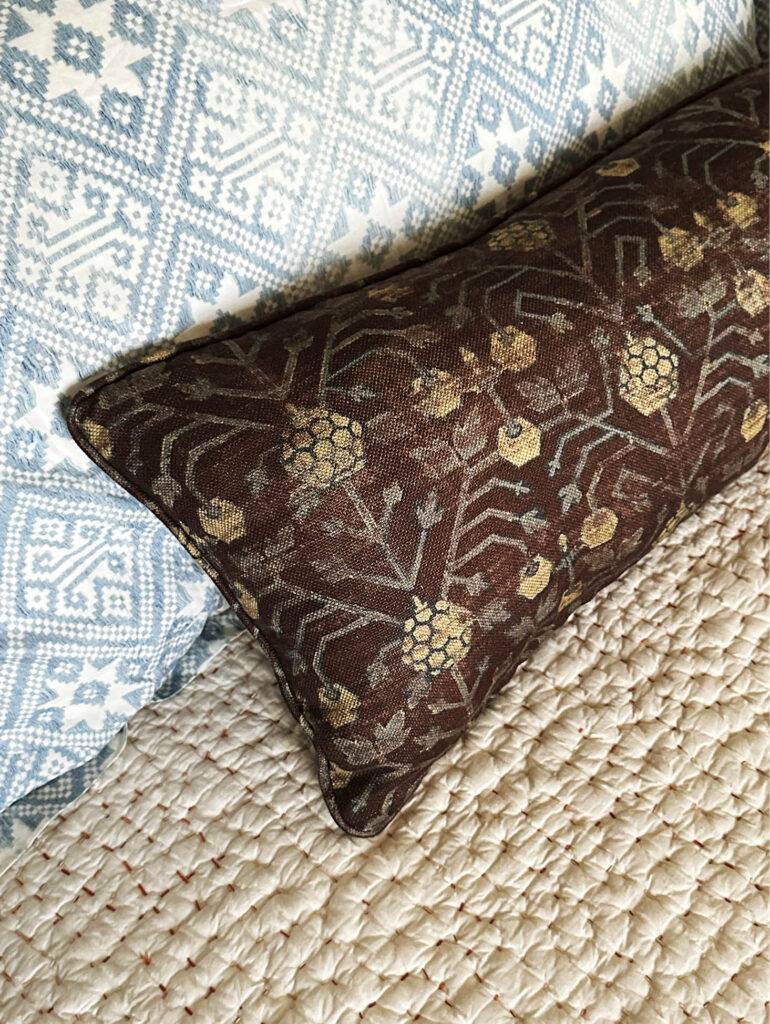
point(167, 172)
point(402, 488)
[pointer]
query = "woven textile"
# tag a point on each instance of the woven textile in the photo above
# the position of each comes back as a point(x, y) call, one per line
point(403, 488)
point(19, 821)
point(602, 855)
point(164, 162)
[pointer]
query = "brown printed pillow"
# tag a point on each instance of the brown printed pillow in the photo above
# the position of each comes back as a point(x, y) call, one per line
point(402, 488)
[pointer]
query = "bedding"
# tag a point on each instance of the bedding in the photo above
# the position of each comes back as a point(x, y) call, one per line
point(167, 164)
point(19, 821)
point(604, 848)
point(401, 489)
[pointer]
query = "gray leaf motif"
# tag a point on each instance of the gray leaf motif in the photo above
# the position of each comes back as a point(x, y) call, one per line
point(333, 526)
point(571, 381)
point(386, 428)
point(692, 304)
point(533, 520)
point(430, 738)
point(560, 322)
point(360, 393)
point(520, 488)
point(459, 315)
point(468, 437)
point(258, 479)
point(494, 614)
point(702, 300)
point(631, 543)
point(332, 568)
point(429, 512)
point(437, 458)
point(419, 688)
point(282, 542)
point(276, 554)
point(476, 584)
point(521, 628)
point(547, 607)
point(358, 751)
point(392, 494)
point(377, 673)
point(391, 736)
point(303, 500)
point(540, 394)
point(570, 495)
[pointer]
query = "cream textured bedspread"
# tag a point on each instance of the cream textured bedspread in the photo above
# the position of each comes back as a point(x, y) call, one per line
point(595, 850)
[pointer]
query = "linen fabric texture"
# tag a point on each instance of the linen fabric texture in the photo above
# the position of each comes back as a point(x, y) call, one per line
point(403, 488)
point(172, 163)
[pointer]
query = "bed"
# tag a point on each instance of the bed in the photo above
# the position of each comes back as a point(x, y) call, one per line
point(591, 851)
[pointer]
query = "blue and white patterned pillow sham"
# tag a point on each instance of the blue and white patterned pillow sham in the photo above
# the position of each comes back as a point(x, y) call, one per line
point(19, 821)
point(166, 164)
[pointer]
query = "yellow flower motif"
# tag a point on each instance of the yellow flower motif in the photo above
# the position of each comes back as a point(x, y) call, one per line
point(99, 437)
point(442, 392)
point(323, 448)
point(341, 705)
point(223, 519)
point(619, 168)
point(754, 417)
point(535, 577)
point(512, 349)
point(752, 290)
point(436, 637)
point(649, 374)
point(599, 527)
point(570, 596)
point(522, 234)
point(680, 248)
point(520, 442)
point(739, 208)
point(339, 776)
